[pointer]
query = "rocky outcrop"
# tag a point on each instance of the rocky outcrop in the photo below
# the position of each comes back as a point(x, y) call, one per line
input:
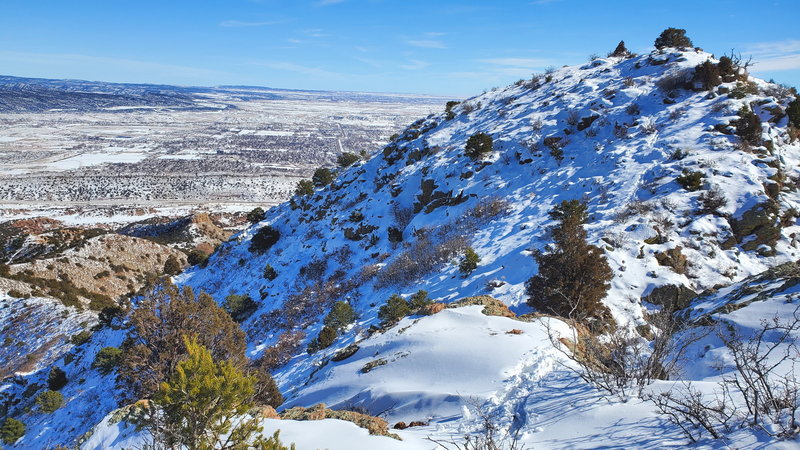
point(492, 306)
point(375, 425)
point(760, 225)
point(673, 297)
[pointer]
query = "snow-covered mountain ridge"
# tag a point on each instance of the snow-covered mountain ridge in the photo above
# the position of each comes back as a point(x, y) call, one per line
point(617, 133)
point(625, 140)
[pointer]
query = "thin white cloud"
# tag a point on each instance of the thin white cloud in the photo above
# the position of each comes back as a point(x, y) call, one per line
point(370, 62)
point(134, 68)
point(245, 24)
point(774, 56)
point(427, 43)
point(415, 64)
point(315, 32)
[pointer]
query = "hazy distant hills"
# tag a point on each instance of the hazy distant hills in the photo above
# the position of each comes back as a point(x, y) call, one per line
point(19, 95)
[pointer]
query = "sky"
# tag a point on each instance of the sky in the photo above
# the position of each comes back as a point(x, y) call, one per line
point(440, 47)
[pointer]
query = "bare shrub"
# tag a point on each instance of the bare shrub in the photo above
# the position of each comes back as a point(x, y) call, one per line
point(677, 113)
point(537, 125)
point(712, 200)
point(572, 117)
point(770, 398)
point(693, 413)
point(622, 363)
point(636, 208)
point(616, 239)
point(402, 216)
point(633, 109)
point(761, 392)
point(489, 208)
point(490, 436)
point(421, 258)
point(314, 269)
point(289, 343)
point(648, 125)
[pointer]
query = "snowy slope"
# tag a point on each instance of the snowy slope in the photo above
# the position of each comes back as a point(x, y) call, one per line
point(629, 183)
point(335, 245)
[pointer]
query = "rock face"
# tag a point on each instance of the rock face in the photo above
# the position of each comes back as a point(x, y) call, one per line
point(673, 258)
point(762, 222)
point(375, 425)
point(197, 231)
point(492, 306)
point(671, 296)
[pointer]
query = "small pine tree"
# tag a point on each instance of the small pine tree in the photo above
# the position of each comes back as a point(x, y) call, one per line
point(270, 273)
point(793, 111)
point(266, 390)
point(322, 177)
point(57, 379)
point(469, 262)
point(726, 66)
point(478, 145)
point(574, 277)
point(419, 300)
point(707, 74)
point(199, 402)
point(673, 37)
point(50, 401)
point(271, 443)
point(448, 109)
point(340, 316)
point(172, 266)
point(196, 257)
point(156, 327)
point(621, 51)
point(256, 215)
point(395, 309)
point(240, 307)
point(712, 200)
point(107, 360)
point(347, 159)
point(326, 337)
point(12, 430)
point(748, 126)
point(264, 239)
point(690, 180)
point(304, 188)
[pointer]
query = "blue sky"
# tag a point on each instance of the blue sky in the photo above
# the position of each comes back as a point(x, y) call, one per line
point(435, 47)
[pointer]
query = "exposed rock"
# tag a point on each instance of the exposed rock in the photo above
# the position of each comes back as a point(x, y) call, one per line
point(268, 412)
point(762, 222)
point(431, 309)
point(586, 122)
point(673, 258)
point(345, 353)
point(671, 296)
point(375, 425)
point(492, 306)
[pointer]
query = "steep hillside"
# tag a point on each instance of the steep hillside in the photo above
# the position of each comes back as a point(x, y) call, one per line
point(691, 186)
point(683, 196)
point(617, 133)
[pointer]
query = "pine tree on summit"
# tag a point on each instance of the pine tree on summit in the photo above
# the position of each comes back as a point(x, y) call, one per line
point(621, 51)
point(573, 278)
